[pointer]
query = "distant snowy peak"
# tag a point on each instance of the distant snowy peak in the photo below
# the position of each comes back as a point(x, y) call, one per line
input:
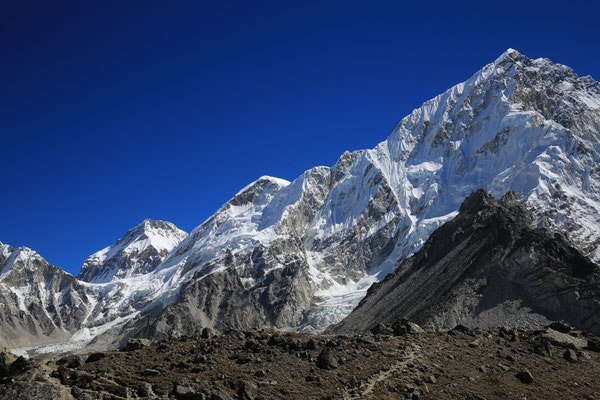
point(40, 303)
point(233, 225)
point(138, 252)
point(21, 260)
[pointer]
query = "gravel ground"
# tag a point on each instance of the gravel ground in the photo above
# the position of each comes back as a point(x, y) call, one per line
point(459, 364)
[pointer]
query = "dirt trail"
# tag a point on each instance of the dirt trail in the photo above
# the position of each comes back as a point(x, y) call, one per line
point(366, 388)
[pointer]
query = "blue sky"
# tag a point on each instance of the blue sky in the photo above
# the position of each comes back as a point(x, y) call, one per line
point(113, 111)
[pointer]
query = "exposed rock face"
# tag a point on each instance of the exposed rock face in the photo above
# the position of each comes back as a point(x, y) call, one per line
point(39, 303)
point(487, 267)
point(139, 252)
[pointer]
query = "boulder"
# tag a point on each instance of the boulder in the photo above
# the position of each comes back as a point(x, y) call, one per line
point(327, 360)
point(95, 357)
point(525, 376)
point(570, 356)
point(247, 391)
point(136, 344)
point(560, 327)
point(208, 333)
point(563, 339)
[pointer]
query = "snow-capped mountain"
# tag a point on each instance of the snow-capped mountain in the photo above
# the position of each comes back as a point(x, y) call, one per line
point(39, 303)
point(301, 254)
point(139, 252)
point(530, 126)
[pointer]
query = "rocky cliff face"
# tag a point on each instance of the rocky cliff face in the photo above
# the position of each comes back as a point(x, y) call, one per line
point(486, 268)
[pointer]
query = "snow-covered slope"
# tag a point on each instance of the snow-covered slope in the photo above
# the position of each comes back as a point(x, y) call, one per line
point(301, 254)
point(139, 252)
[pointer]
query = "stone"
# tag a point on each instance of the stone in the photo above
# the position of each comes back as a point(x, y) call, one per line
point(525, 376)
point(220, 395)
point(76, 362)
point(146, 390)
point(95, 357)
point(462, 329)
point(560, 327)
point(543, 348)
point(382, 329)
point(404, 326)
point(504, 367)
point(414, 328)
point(3, 365)
point(570, 355)
point(564, 340)
point(207, 333)
point(20, 365)
point(247, 391)
point(185, 392)
point(136, 344)
point(593, 344)
point(243, 359)
point(584, 355)
point(326, 359)
point(150, 372)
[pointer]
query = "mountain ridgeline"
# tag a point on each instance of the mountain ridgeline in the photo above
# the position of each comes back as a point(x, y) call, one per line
point(301, 255)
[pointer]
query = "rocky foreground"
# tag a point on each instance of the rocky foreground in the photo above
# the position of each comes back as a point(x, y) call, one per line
point(397, 361)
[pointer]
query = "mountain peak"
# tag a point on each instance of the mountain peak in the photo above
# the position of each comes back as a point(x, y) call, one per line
point(22, 259)
point(138, 252)
point(508, 54)
point(153, 225)
point(262, 182)
point(476, 200)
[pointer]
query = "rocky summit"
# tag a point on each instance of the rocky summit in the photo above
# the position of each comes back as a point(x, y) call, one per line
point(300, 256)
point(396, 361)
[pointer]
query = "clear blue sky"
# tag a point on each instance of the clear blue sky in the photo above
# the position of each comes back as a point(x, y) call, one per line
point(116, 111)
